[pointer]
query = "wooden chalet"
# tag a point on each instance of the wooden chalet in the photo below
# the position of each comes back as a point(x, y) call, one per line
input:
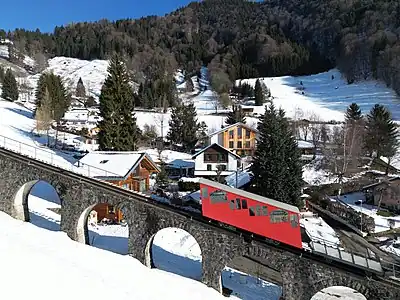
point(130, 170)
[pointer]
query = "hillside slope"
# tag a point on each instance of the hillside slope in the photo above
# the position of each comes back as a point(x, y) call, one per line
point(244, 39)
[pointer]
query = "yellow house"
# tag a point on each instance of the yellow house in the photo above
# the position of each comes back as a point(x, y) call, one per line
point(238, 138)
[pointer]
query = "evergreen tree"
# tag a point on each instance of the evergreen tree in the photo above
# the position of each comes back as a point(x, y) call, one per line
point(189, 85)
point(10, 87)
point(277, 161)
point(236, 115)
point(118, 130)
point(40, 91)
point(80, 89)
point(183, 126)
point(2, 74)
point(353, 113)
point(258, 93)
point(381, 132)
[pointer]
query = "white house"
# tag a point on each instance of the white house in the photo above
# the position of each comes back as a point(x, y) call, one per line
point(213, 158)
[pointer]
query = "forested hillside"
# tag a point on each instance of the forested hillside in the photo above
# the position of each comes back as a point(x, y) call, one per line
point(242, 39)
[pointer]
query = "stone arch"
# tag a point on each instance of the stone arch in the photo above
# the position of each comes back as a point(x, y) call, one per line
point(82, 228)
point(248, 273)
point(341, 281)
point(336, 292)
point(20, 207)
point(184, 236)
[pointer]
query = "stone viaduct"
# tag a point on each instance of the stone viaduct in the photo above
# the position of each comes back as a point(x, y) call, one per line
point(301, 277)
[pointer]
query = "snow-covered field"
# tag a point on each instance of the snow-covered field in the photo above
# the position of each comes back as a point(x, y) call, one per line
point(325, 96)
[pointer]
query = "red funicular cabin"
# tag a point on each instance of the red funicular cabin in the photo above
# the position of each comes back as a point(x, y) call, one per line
point(266, 217)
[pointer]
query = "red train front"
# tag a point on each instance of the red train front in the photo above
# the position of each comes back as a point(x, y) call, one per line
point(266, 217)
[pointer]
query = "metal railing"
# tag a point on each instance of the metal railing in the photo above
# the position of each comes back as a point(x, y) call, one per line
point(332, 250)
point(54, 159)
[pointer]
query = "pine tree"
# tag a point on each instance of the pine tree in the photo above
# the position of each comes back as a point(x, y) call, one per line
point(235, 116)
point(381, 132)
point(2, 74)
point(258, 93)
point(189, 85)
point(353, 113)
point(276, 164)
point(183, 126)
point(10, 87)
point(80, 89)
point(118, 130)
point(40, 91)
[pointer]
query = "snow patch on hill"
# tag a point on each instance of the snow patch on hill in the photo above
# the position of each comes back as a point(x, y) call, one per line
point(93, 73)
point(326, 94)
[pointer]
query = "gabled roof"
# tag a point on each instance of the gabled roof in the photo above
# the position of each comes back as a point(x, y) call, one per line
point(233, 125)
point(113, 165)
point(245, 194)
point(381, 182)
point(215, 145)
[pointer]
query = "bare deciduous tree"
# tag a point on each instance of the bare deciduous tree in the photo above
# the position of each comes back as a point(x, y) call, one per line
point(43, 116)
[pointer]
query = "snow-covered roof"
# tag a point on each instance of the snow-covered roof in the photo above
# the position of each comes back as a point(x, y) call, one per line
point(304, 144)
point(216, 145)
point(116, 164)
point(181, 163)
point(245, 194)
point(243, 178)
point(231, 126)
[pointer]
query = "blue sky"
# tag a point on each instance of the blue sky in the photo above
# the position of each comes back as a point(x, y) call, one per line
point(46, 14)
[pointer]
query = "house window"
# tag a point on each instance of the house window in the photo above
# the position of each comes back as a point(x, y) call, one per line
point(239, 132)
point(111, 209)
point(239, 144)
point(222, 157)
point(231, 134)
point(244, 204)
point(231, 145)
point(247, 144)
point(247, 133)
point(209, 168)
point(222, 167)
point(207, 157)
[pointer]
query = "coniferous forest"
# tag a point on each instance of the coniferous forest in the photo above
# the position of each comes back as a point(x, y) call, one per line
point(240, 39)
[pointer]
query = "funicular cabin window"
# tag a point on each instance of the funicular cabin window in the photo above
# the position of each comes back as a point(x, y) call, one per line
point(218, 197)
point(238, 204)
point(258, 210)
point(204, 193)
point(244, 204)
point(252, 212)
point(294, 221)
point(278, 216)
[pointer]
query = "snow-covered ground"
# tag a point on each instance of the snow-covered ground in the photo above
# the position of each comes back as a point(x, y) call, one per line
point(381, 223)
point(173, 250)
point(325, 96)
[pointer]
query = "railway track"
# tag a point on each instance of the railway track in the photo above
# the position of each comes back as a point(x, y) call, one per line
point(212, 224)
